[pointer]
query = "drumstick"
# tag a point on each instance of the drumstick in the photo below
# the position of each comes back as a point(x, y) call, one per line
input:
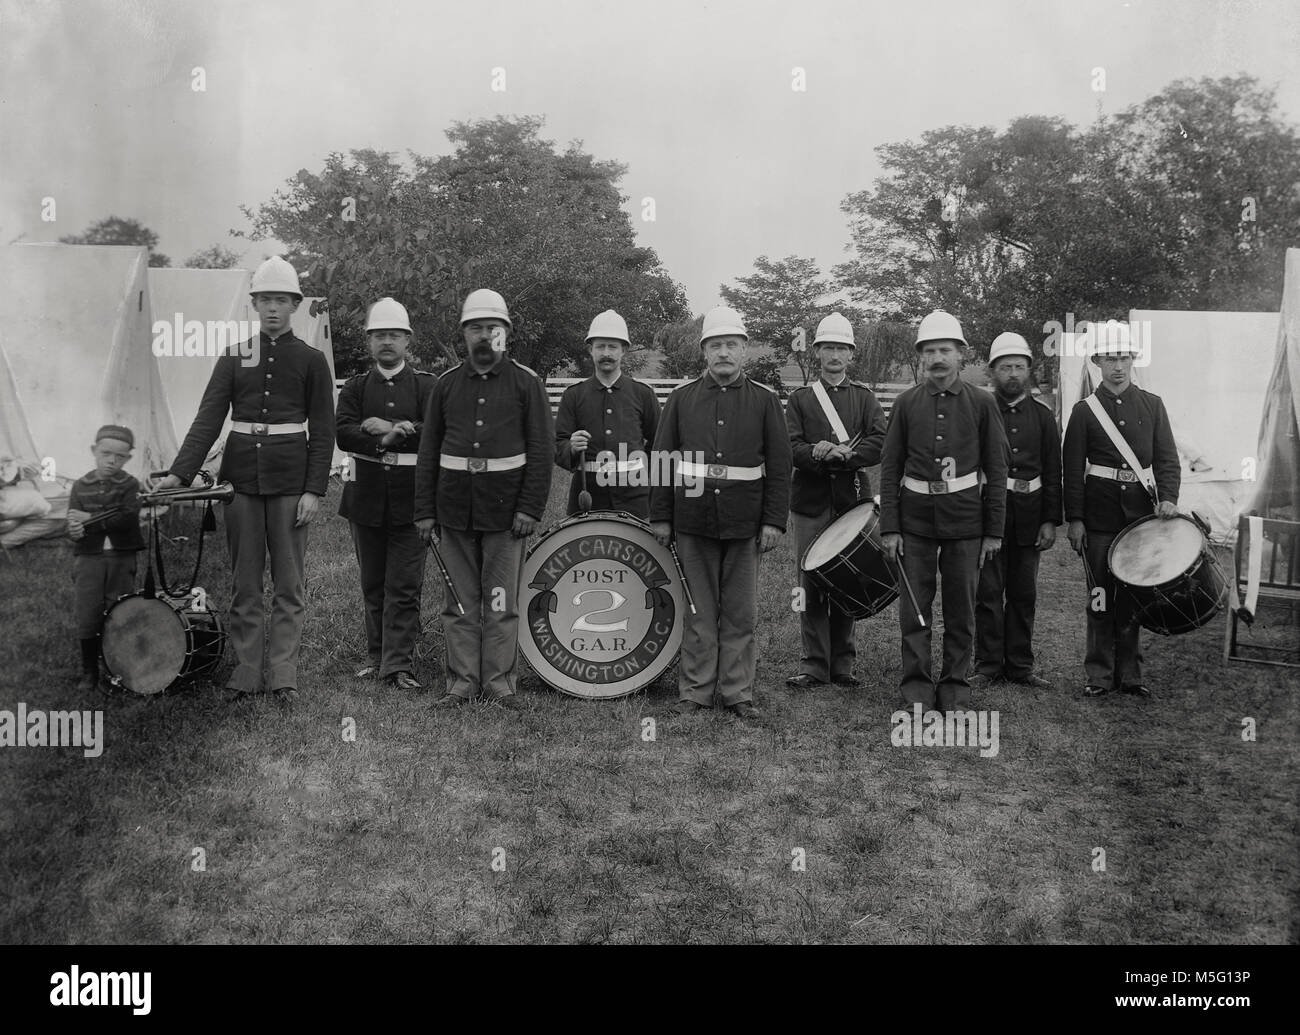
point(455, 597)
point(902, 575)
point(686, 586)
point(584, 497)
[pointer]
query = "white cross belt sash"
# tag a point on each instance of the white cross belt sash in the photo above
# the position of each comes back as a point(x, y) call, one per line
point(722, 472)
point(941, 486)
point(828, 408)
point(249, 428)
point(482, 464)
point(1125, 450)
point(389, 459)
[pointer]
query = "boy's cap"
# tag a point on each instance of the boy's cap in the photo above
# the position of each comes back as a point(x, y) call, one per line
point(116, 431)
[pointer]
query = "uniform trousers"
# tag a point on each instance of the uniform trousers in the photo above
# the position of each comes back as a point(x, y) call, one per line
point(718, 652)
point(254, 525)
point(1004, 612)
point(100, 578)
point(957, 562)
point(392, 577)
point(1113, 656)
point(825, 631)
point(482, 644)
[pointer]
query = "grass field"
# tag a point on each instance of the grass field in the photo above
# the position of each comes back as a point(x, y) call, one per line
point(602, 836)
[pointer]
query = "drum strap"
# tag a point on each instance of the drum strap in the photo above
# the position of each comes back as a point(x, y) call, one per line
point(1118, 441)
point(1254, 561)
point(158, 559)
point(828, 408)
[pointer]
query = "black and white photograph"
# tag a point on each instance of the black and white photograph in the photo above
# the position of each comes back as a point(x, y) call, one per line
point(574, 473)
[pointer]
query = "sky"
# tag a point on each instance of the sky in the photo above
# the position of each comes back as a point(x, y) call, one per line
point(98, 109)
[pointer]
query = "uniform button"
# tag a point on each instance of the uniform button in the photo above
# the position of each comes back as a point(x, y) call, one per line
point(263, 409)
point(476, 445)
point(478, 423)
point(724, 389)
point(608, 432)
point(1014, 470)
point(271, 359)
point(266, 393)
point(482, 401)
point(941, 416)
point(1123, 465)
point(1015, 449)
point(938, 438)
point(1014, 430)
point(721, 422)
point(1121, 424)
point(609, 411)
point(258, 445)
point(719, 456)
point(717, 492)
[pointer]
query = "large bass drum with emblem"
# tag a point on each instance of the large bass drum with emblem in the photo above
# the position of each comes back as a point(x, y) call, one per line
point(601, 606)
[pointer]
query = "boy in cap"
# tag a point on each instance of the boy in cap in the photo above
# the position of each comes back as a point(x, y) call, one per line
point(105, 554)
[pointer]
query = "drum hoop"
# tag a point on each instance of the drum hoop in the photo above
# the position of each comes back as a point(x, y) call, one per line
point(863, 533)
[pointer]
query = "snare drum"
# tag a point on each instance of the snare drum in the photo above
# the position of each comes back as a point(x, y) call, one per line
point(847, 560)
point(151, 642)
point(1168, 570)
point(601, 606)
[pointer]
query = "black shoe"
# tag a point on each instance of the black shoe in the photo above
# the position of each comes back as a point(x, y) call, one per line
point(510, 702)
point(286, 695)
point(744, 710)
point(853, 682)
point(450, 701)
point(1137, 689)
point(979, 681)
point(368, 672)
point(1093, 690)
point(803, 681)
point(404, 681)
point(687, 707)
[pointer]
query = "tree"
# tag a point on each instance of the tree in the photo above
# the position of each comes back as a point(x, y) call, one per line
point(779, 300)
point(218, 257)
point(504, 210)
point(679, 344)
point(115, 230)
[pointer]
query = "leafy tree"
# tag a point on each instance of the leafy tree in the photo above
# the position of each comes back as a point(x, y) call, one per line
point(115, 230)
point(218, 257)
point(679, 344)
point(504, 210)
point(777, 301)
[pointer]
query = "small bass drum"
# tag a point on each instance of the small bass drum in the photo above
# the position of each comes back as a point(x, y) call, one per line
point(151, 642)
point(601, 606)
point(1168, 570)
point(847, 560)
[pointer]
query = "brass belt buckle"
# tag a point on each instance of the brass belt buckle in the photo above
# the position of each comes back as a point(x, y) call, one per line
point(1020, 485)
point(259, 429)
point(717, 470)
point(1127, 476)
point(389, 458)
point(477, 465)
point(938, 488)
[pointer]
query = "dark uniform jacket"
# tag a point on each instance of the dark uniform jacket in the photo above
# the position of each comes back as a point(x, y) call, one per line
point(290, 384)
point(740, 425)
point(1104, 504)
point(926, 426)
point(379, 494)
point(1035, 446)
point(94, 493)
point(498, 414)
point(834, 484)
point(625, 413)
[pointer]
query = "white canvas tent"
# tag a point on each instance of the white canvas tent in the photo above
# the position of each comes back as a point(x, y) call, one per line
point(1212, 371)
point(1277, 489)
point(219, 295)
point(75, 340)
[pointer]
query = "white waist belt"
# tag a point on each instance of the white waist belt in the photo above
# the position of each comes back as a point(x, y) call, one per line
point(482, 464)
point(620, 466)
point(1020, 485)
point(1120, 475)
point(389, 459)
point(722, 472)
point(247, 428)
point(938, 488)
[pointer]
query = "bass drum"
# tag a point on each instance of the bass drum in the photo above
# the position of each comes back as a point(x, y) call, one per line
point(601, 604)
point(1167, 568)
point(151, 642)
point(847, 560)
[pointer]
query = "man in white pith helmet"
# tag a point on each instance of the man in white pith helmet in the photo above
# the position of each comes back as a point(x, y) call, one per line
point(734, 446)
point(481, 484)
point(277, 456)
point(380, 414)
point(934, 519)
point(1120, 463)
point(1008, 587)
point(605, 425)
point(829, 478)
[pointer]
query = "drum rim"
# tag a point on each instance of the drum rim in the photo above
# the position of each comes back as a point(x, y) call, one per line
point(813, 542)
point(1200, 556)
